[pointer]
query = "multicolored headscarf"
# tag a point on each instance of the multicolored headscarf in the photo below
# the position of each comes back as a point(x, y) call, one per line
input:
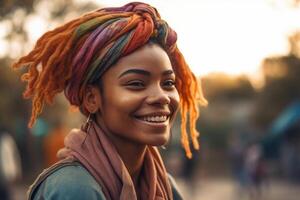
point(109, 37)
point(77, 54)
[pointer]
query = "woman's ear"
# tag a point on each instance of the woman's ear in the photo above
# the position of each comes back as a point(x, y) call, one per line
point(92, 99)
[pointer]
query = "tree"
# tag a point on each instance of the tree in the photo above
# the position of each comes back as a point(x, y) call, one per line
point(222, 87)
point(282, 83)
point(15, 19)
point(16, 15)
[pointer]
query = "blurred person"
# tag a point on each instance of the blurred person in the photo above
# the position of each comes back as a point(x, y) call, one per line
point(190, 171)
point(53, 142)
point(255, 170)
point(39, 131)
point(237, 158)
point(10, 164)
point(290, 155)
point(122, 68)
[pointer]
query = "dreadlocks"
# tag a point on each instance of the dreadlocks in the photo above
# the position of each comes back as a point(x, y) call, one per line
point(77, 53)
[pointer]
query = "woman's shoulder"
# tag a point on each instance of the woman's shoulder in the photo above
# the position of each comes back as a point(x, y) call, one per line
point(69, 182)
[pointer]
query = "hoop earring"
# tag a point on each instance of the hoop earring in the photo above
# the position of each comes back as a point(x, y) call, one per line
point(86, 127)
point(165, 146)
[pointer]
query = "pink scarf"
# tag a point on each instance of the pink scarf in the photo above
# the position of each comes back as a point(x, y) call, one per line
point(99, 156)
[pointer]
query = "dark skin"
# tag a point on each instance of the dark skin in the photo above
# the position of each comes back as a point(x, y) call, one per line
point(136, 104)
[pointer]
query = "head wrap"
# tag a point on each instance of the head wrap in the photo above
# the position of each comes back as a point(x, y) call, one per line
point(115, 33)
point(77, 53)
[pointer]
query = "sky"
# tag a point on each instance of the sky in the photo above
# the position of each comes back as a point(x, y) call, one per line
point(230, 36)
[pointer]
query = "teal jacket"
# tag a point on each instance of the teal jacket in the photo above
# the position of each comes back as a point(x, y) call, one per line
point(74, 182)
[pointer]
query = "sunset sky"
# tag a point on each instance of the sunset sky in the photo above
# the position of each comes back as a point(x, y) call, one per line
point(231, 36)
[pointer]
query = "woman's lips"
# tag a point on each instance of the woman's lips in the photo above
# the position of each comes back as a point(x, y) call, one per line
point(156, 124)
point(155, 119)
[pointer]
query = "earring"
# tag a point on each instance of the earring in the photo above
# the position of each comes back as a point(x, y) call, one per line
point(86, 127)
point(87, 124)
point(165, 146)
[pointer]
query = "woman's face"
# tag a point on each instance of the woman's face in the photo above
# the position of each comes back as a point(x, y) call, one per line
point(138, 97)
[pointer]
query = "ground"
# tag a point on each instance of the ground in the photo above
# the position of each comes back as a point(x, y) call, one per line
point(226, 189)
point(215, 189)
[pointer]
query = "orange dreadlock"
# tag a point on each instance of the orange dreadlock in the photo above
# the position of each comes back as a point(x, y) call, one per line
point(191, 95)
point(50, 63)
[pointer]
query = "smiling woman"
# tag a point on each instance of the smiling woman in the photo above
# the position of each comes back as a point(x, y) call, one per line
point(122, 68)
point(144, 83)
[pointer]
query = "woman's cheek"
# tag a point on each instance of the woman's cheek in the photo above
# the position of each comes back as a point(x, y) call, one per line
point(129, 101)
point(175, 99)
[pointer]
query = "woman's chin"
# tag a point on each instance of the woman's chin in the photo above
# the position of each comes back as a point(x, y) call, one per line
point(159, 141)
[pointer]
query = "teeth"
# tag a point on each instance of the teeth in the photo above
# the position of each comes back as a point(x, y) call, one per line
point(155, 119)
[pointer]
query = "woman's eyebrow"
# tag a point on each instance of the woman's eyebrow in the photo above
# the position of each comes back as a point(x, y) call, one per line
point(136, 71)
point(168, 72)
point(144, 72)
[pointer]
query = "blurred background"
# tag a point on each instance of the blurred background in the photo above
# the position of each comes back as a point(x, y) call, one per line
point(247, 54)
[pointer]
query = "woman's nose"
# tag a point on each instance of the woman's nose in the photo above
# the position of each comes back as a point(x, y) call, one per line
point(158, 96)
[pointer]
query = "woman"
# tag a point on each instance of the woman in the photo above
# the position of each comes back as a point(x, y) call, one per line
point(122, 68)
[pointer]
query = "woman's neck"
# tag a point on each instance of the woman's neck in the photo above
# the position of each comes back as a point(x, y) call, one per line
point(131, 153)
point(133, 158)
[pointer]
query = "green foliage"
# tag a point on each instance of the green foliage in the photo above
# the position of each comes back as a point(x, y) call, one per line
point(220, 87)
point(15, 15)
point(9, 6)
point(282, 84)
point(12, 105)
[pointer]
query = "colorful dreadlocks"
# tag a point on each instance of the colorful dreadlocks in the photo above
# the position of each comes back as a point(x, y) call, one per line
point(80, 51)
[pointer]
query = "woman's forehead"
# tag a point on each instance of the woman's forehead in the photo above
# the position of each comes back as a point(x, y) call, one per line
point(150, 57)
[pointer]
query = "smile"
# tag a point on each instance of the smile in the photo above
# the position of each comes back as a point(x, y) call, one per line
point(159, 119)
point(155, 119)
